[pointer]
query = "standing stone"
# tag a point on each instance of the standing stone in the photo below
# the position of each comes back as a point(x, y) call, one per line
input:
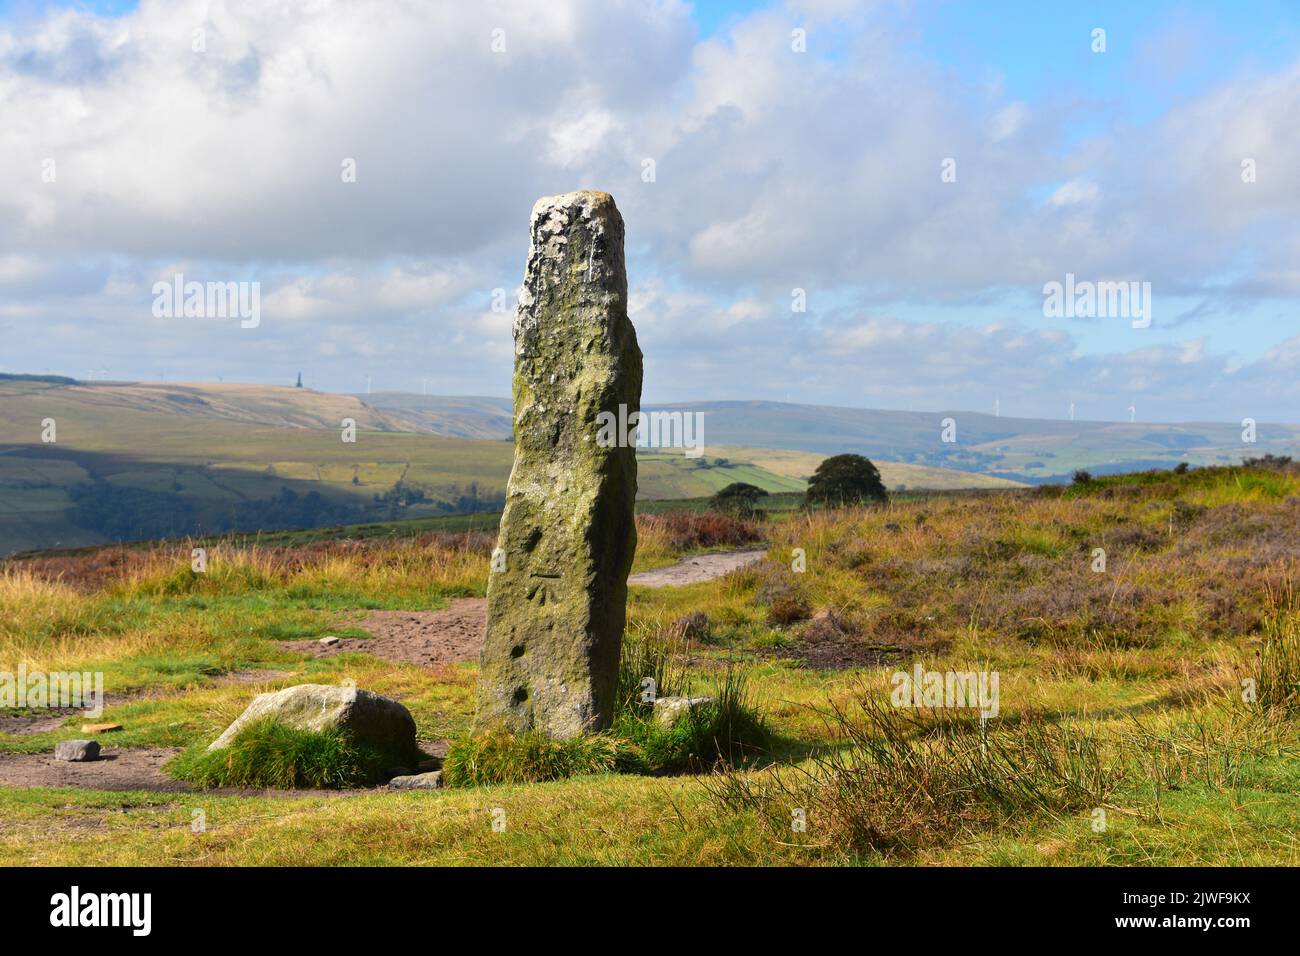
point(557, 596)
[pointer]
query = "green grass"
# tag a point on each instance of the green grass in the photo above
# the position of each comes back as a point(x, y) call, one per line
point(267, 753)
point(490, 759)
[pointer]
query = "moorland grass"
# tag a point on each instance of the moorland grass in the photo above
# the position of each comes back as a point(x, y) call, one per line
point(728, 729)
point(270, 754)
point(1145, 660)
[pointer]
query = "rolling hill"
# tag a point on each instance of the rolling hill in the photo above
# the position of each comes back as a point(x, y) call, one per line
point(144, 460)
point(1019, 449)
point(152, 459)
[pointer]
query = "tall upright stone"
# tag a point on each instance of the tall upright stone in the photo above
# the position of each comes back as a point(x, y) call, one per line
point(557, 595)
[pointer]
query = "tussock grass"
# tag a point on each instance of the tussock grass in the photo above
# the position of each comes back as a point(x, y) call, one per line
point(1278, 682)
point(501, 758)
point(351, 574)
point(728, 729)
point(905, 780)
point(271, 754)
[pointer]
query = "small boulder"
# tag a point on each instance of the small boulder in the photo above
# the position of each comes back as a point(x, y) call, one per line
point(368, 718)
point(328, 641)
point(417, 781)
point(76, 751)
point(669, 710)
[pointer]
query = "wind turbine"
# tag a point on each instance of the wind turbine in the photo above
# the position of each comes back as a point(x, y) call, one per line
point(1132, 411)
point(1072, 411)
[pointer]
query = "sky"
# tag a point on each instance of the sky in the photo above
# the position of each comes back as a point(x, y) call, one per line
point(914, 173)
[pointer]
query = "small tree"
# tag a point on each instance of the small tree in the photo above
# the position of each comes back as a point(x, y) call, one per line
point(738, 498)
point(845, 480)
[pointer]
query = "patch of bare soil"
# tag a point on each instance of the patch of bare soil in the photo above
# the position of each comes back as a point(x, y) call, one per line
point(698, 567)
point(828, 642)
point(429, 638)
point(37, 723)
point(130, 769)
point(840, 655)
point(137, 768)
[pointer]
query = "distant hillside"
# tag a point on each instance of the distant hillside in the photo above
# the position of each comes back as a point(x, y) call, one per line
point(158, 459)
point(453, 417)
point(147, 460)
point(1017, 449)
point(801, 465)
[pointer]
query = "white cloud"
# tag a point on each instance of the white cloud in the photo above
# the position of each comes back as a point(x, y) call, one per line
point(774, 170)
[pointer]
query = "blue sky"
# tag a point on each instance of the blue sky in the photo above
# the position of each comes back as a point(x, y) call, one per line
point(776, 170)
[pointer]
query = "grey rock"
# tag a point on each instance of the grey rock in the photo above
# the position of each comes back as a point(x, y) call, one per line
point(368, 718)
point(328, 641)
point(557, 610)
point(418, 781)
point(76, 751)
point(669, 710)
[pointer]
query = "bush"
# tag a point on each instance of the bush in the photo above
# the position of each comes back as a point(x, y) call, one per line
point(268, 753)
point(843, 480)
point(687, 530)
point(787, 609)
point(739, 498)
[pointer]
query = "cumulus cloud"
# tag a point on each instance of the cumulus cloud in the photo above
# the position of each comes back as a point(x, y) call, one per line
point(214, 137)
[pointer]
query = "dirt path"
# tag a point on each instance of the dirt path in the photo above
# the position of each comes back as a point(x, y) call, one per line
point(699, 567)
point(139, 768)
point(427, 638)
point(455, 634)
point(136, 768)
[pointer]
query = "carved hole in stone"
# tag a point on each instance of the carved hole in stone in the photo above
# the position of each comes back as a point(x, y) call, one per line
point(517, 651)
point(521, 695)
point(533, 539)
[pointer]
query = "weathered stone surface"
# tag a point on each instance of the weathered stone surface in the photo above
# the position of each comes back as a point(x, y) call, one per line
point(418, 781)
point(368, 718)
point(76, 750)
point(556, 611)
point(669, 710)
